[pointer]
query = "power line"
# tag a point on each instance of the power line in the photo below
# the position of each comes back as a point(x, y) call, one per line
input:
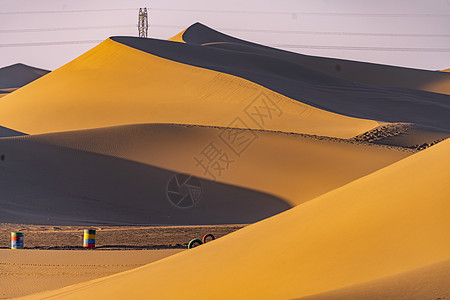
point(363, 48)
point(64, 28)
point(342, 14)
point(293, 46)
point(51, 43)
point(337, 33)
point(64, 11)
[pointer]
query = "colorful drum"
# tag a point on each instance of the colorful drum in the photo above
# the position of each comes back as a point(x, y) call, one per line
point(89, 238)
point(16, 240)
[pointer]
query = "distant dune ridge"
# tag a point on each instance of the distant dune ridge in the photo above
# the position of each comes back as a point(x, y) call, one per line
point(18, 75)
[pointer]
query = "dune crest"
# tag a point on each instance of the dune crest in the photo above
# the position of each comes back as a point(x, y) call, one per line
point(114, 84)
point(18, 75)
point(369, 73)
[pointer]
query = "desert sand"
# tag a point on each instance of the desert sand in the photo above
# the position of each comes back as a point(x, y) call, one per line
point(136, 162)
point(340, 168)
point(430, 282)
point(25, 272)
point(379, 225)
point(94, 97)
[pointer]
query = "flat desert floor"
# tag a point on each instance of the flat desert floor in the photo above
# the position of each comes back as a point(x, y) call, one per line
point(46, 262)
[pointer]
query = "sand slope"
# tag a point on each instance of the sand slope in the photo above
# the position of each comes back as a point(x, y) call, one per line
point(306, 85)
point(114, 84)
point(18, 75)
point(102, 175)
point(391, 221)
point(47, 184)
point(6, 132)
point(310, 166)
point(374, 74)
point(429, 282)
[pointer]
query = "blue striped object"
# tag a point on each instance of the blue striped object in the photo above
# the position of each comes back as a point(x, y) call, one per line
point(16, 240)
point(89, 238)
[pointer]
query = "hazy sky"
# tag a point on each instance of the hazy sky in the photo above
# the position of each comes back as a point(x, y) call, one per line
point(412, 33)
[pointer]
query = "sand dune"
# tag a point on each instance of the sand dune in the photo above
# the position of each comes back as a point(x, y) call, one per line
point(286, 141)
point(114, 84)
point(429, 282)
point(369, 73)
point(114, 170)
point(46, 184)
point(305, 84)
point(18, 75)
point(127, 80)
point(6, 132)
point(388, 222)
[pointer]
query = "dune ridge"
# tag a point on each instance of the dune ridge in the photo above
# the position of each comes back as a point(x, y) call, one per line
point(18, 75)
point(369, 73)
point(164, 92)
point(136, 162)
point(308, 86)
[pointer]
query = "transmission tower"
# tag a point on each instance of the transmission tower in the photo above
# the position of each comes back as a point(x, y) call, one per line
point(143, 22)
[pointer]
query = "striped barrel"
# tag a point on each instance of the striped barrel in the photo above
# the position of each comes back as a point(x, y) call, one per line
point(89, 238)
point(16, 240)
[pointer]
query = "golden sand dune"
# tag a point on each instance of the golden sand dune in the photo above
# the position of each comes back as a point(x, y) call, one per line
point(429, 282)
point(48, 184)
point(388, 222)
point(114, 84)
point(310, 165)
point(114, 170)
point(301, 83)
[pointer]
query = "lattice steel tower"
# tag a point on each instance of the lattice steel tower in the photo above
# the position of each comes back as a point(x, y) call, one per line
point(143, 22)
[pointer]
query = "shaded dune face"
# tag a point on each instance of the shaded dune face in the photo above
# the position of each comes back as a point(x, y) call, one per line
point(47, 184)
point(369, 73)
point(103, 175)
point(6, 132)
point(306, 85)
point(296, 168)
point(18, 75)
